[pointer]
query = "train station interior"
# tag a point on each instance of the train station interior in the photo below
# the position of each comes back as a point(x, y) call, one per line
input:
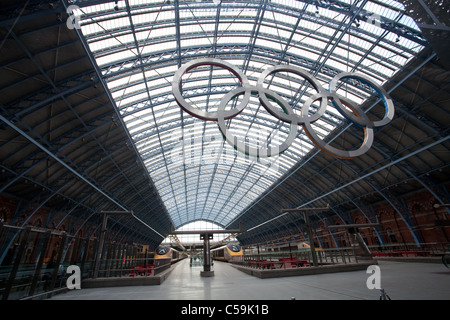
point(224, 150)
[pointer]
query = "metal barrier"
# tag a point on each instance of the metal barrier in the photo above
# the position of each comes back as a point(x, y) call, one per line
point(133, 267)
point(296, 259)
point(34, 261)
point(409, 249)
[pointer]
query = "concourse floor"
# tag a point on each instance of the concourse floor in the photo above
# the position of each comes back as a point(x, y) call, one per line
point(401, 281)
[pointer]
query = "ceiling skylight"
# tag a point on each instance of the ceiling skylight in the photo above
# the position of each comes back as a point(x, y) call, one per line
point(140, 46)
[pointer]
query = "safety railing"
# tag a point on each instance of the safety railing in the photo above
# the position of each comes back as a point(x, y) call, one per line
point(297, 259)
point(409, 249)
point(34, 261)
point(133, 267)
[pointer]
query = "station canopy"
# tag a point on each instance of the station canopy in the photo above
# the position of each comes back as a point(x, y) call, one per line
point(139, 45)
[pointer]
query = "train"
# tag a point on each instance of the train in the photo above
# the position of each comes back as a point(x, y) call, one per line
point(165, 252)
point(162, 258)
point(227, 253)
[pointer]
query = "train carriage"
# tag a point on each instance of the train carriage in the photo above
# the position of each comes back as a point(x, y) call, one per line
point(165, 252)
point(226, 253)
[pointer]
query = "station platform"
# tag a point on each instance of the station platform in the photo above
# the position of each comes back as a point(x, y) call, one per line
point(401, 281)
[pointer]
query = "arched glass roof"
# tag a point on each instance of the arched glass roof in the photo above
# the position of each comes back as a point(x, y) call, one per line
point(140, 44)
point(189, 239)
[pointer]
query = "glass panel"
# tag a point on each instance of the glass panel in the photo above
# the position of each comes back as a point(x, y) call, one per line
point(198, 175)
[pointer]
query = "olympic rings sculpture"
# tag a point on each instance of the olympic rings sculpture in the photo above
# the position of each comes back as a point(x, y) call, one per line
point(286, 114)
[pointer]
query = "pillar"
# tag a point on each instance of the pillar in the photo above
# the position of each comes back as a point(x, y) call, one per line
point(207, 272)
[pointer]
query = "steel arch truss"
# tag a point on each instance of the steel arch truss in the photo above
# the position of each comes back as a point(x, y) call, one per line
point(126, 41)
point(64, 149)
point(99, 127)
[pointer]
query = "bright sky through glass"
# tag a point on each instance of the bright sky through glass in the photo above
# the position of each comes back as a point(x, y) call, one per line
point(198, 176)
point(187, 239)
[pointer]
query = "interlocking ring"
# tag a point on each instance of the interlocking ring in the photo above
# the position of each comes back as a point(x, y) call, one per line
point(355, 115)
point(206, 115)
point(327, 148)
point(346, 107)
point(242, 146)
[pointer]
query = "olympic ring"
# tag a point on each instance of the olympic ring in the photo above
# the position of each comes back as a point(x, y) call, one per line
point(346, 107)
point(205, 115)
point(388, 103)
point(241, 146)
point(343, 154)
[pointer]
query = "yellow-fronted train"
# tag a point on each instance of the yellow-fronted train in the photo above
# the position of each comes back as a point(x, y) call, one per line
point(165, 252)
point(226, 253)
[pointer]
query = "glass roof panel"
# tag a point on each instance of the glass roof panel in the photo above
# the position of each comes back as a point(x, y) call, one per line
point(197, 173)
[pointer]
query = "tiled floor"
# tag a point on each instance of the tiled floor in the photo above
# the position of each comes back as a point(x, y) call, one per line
point(402, 281)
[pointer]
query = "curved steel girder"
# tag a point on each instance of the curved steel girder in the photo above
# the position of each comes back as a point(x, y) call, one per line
point(70, 202)
point(224, 172)
point(178, 168)
point(387, 24)
point(173, 129)
point(47, 96)
point(147, 131)
point(47, 200)
point(316, 153)
point(257, 53)
point(93, 210)
point(228, 171)
point(184, 217)
point(333, 205)
point(282, 56)
point(75, 134)
point(268, 229)
point(242, 19)
point(292, 227)
point(111, 178)
point(262, 54)
point(95, 128)
point(390, 200)
point(55, 151)
point(206, 191)
point(69, 227)
point(334, 5)
point(200, 220)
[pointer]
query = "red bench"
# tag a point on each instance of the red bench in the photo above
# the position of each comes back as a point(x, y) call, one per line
point(266, 264)
point(292, 262)
point(262, 263)
point(141, 270)
point(401, 254)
